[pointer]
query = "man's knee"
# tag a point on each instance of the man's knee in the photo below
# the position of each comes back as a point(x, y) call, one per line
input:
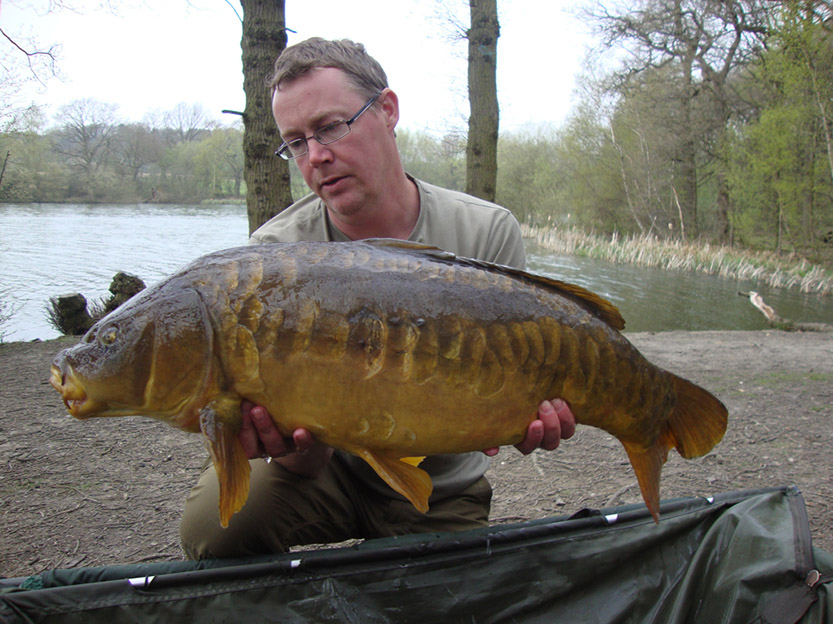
point(250, 531)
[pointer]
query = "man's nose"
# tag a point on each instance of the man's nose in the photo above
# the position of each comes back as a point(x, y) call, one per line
point(318, 153)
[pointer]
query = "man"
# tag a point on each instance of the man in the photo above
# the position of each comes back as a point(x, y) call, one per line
point(337, 118)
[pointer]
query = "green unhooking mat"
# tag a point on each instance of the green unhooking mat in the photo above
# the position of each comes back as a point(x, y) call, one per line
point(743, 557)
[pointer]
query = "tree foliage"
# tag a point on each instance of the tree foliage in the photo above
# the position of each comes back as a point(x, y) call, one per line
point(696, 45)
point(781, 161)
point(701, 119)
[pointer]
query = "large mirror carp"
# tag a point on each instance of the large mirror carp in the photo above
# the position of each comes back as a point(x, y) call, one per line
point(387, 349)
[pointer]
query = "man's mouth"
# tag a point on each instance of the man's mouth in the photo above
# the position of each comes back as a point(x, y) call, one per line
point(330, 182)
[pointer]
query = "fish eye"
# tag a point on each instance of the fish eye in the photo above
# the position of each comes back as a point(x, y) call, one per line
point(108, 336)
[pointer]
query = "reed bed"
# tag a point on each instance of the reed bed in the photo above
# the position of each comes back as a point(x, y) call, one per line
point(725, 262)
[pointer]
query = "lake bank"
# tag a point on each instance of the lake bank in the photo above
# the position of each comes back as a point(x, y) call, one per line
point(109, 491)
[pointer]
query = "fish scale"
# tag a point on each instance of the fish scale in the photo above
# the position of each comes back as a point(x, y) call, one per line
point(385, 349)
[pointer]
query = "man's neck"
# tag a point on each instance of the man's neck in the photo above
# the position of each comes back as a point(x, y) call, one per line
point(394, 216)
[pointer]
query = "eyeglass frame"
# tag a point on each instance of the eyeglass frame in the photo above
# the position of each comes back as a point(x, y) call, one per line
point(284, 151)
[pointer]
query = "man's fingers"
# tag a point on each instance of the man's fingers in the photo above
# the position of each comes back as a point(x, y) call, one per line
point(555, 422)
point(270, 438)
point(303, 440)
point(566, 418)
point(534, 436)
point(548, 416)
point(248, 435)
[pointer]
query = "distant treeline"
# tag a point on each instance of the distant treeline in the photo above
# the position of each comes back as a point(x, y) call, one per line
point(89, 156)
point(717, 126)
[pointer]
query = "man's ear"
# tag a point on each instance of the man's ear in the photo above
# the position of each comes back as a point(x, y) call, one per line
point(389, 105)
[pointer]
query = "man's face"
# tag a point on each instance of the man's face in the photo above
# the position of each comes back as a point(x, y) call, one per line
point(349, 173)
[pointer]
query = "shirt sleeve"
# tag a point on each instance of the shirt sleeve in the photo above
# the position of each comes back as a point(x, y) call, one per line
point(506, 244)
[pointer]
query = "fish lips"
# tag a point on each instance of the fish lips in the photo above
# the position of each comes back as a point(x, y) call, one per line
point(78, 404)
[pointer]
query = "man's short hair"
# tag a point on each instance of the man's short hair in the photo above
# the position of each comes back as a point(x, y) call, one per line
point(363, 71)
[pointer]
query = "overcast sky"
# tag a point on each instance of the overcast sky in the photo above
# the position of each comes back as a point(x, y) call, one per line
point(155, 54)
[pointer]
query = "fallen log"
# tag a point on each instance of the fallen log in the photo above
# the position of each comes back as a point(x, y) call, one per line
point(777, 322)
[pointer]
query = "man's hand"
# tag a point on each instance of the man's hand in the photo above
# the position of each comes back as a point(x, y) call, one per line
point(259, 437)
point(555, 422)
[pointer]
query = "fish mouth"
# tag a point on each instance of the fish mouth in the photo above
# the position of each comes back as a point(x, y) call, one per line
point(78, 404)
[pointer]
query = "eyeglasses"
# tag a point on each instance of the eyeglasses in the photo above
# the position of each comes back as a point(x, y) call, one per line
point(330, 133)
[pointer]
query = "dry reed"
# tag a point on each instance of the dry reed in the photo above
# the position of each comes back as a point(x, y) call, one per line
point(725, 262)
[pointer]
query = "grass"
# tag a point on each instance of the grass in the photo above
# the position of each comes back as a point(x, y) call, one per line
point(793, 378)
point(725, 262)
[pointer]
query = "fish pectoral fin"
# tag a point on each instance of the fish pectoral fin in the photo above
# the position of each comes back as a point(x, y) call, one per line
point(220, 423)
point(647, 464)
point(402, 475)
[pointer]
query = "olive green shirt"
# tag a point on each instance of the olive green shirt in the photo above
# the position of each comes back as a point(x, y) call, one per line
point(456, 222)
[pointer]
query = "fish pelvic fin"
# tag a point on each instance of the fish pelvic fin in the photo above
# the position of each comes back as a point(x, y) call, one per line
point(414, 461)
point(402, 475)
point(220, 423)
point(698, 421)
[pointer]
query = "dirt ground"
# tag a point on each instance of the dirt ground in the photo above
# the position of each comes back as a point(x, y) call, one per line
point(104, 492)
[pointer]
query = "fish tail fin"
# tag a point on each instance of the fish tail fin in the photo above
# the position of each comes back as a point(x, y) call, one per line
point(402, 475)
point(698, 421)
point(230, 461)
point(695, 426)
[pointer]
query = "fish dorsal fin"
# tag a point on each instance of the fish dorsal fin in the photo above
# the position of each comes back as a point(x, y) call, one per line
point(406, 245)
point(598, 306)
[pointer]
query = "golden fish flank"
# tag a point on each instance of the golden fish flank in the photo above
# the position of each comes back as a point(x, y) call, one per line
point(386, 349)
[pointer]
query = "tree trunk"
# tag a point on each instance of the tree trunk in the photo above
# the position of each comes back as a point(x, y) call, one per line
point(724, 201)
point(481, 149)
point(688, 189)
point(687, 165)
point(724, 230)
point(779, 229)
point(3, 170)
point(267, 176)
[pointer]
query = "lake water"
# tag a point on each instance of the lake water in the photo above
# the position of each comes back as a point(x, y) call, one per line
point(658, 300)
point(50, 250)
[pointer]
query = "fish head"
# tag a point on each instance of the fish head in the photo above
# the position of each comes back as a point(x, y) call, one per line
point(151, 357)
